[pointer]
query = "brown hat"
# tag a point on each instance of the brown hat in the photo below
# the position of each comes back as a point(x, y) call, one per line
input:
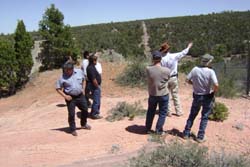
point(164, 47)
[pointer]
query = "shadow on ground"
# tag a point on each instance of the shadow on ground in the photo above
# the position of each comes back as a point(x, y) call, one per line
point(137, 129)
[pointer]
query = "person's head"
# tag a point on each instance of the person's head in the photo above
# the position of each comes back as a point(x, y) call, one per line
point(86, 54)
point(206, 60)
point(156, 56)
point(164, 47)
point(68, 68)
point(93, 59)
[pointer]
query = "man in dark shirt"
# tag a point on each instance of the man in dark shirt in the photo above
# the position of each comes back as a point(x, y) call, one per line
point(95, 86)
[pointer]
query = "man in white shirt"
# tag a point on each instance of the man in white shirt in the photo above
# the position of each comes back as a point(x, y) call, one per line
point(170, 60)
point(205, 84)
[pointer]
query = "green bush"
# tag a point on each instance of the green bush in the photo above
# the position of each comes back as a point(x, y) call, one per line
point(187, 66)
point(124, 109)
point(219, 113)
point(176, 154)
point(134, 75)
point(227, 87)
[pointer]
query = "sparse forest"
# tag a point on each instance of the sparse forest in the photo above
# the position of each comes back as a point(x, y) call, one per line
point(221, 34)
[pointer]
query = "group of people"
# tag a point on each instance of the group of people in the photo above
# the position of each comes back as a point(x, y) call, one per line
point(162, 78)
point(71, 84)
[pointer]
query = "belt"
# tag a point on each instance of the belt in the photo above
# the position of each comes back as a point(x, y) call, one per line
point(75, 96)
point(174, 75)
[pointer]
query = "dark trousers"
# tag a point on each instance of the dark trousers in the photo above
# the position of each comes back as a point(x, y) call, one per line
point(96, 93)
point(81, 103)
point(153, 101)
point(206, 102)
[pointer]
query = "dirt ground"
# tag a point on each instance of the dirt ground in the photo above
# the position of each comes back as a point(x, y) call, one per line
point(34, 128)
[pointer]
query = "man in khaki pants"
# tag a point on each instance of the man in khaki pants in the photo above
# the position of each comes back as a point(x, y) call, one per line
point(170, 60)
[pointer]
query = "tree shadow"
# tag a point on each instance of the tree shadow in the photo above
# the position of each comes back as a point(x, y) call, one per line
point(61, 105)
point(138, 129)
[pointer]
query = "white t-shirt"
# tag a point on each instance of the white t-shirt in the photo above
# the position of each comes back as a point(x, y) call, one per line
point(85, 64)
point(203, 79)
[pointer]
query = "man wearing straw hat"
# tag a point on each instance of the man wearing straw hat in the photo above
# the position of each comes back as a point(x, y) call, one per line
point(170, 60)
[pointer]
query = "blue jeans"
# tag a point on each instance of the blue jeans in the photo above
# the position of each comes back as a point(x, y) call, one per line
point(206, 102)
point(96, 93)
point(153, 101)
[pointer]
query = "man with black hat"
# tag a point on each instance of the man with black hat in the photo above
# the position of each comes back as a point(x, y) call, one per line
point(70, 87)
point(158, 77)
point(170, 60)
point(205, 84)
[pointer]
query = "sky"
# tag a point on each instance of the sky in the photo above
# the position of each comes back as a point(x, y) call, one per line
point(86, 12)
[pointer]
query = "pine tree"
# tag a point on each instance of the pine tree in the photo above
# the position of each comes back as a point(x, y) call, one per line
point(23, 46)
point(58, 42)
point(8, 68)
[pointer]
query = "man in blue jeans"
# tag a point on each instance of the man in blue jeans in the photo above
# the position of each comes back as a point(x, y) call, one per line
point(205, 84)
point(95, 87)
point(158, 77)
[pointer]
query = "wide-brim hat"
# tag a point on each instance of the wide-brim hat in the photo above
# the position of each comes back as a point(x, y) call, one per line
point(164, 47)
point(206, 59)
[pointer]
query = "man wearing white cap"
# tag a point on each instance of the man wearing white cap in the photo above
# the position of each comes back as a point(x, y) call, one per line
point(205, 84)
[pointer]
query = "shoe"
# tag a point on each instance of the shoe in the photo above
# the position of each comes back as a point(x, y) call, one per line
point(150, 131)
point(87, 127)
point(169, 114)
point(200, 140)
point(161, 133)
point(179, 115)
point(97, 116)
point(74, 133)
point(185, 137)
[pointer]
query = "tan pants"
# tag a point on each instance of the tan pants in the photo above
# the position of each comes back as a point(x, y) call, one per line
point(173, 90)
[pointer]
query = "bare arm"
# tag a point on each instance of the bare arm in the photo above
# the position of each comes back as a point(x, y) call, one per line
point(189, 81)
point(94, 81)
point(66, 97)
point(216, 88)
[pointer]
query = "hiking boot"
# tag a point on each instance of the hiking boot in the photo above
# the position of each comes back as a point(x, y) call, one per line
point(97, 116)
point(74, 133)
point(200, 140)
point(87, 127)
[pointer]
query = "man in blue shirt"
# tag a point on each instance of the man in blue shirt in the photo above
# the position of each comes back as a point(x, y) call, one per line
point(70, 87)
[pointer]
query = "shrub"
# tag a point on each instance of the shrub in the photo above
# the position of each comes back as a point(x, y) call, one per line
point(173, 154)
point(176, 154)
point(124, 109)
point(187, 66)
point(219, 113)
point(134, 74)
point(227, 87)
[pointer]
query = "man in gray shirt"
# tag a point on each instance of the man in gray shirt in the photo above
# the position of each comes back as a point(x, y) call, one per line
point(205, 84)
point(158, 77)
point(70, 87)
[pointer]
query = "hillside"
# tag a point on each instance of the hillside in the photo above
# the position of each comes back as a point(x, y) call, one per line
point(34, 128)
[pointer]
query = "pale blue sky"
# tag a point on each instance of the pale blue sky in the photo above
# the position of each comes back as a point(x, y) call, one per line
point(85, 12)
